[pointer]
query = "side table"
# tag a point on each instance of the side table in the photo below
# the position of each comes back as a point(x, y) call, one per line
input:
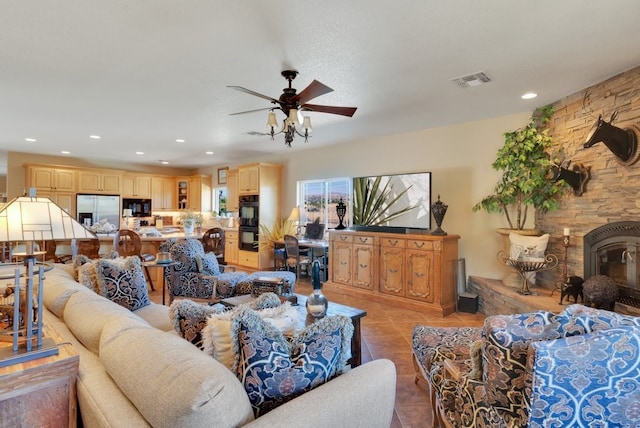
point(41, 392)
point(164, 266)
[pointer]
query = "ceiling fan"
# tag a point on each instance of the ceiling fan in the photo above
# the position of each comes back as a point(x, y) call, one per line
point(291, 104)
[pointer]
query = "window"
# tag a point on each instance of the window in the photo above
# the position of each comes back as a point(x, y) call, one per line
point(317, 200)
point(220, 201)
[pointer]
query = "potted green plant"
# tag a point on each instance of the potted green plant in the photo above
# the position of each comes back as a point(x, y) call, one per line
point(190, 220)
point(525, 165)
point(270, 235)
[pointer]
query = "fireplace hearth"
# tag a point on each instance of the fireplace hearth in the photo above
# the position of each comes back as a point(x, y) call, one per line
point(613, 250)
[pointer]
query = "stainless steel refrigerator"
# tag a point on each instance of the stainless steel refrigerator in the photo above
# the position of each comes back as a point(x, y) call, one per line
point(94, 208)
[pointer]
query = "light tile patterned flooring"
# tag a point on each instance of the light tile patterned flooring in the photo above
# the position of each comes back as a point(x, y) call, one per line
point(386, 333)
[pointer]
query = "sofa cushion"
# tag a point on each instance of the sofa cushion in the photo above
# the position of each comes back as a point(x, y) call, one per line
point(156, 315)
point(59, 285)
point(86, 313)
point(189, 387)
point(274, 370)
point(528, 248)
point(189, 318)
point(216, 334)
point(587, 380)
point(122, 281)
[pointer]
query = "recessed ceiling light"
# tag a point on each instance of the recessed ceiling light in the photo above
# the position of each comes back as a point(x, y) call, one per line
point(139, 153)
point(65, 152)
point(31, 140)
point(164, 162)
point(94, 137)
point(180, 140)
point(209, 153)
point(529, 95)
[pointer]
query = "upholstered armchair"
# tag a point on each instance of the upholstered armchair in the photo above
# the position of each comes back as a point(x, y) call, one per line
point(196, 274)
point(580, 367)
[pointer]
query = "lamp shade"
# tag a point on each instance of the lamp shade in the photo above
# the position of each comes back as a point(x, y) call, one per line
point(38, 219)
point(293, 117)
point(306, 124)
point(127, 212)
point(272, 121)
point(295, 214)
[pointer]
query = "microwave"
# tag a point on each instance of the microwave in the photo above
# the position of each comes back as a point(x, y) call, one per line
point(138, 207)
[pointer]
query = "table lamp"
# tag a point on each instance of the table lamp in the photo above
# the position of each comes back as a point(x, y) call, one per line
point(31, 219)
point(294, 217)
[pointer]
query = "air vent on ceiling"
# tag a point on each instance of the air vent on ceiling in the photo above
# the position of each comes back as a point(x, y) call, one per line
point(256, 134)
point(470, 80)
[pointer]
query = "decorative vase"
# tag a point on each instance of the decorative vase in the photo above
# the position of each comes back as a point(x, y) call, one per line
point(317, 303)
point(341, 211)
point(188, 225)
point(439, 209)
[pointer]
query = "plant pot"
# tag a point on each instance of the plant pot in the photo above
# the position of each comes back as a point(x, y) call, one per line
point(188, 226)
point(512, 278)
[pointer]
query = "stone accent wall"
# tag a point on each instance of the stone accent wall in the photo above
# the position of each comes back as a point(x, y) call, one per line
point(612, 194)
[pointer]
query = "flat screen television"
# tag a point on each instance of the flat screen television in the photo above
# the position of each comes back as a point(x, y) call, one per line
point(399, 203)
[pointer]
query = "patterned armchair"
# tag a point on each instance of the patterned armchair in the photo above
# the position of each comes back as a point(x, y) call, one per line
point(196, 274)
point(580, 367)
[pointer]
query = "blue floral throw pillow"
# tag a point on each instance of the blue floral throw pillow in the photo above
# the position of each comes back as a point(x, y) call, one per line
point(275, 370)
point(122, 281)
point(189, 318)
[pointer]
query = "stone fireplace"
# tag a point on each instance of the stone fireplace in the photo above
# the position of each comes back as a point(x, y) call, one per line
point(613, 250)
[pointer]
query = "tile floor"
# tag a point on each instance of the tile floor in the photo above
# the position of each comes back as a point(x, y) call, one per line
point(386, 333)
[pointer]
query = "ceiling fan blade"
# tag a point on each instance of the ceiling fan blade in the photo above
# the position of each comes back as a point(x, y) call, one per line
point(315, 89)
point(252, 111)
point(344, 111)
point(250, 92)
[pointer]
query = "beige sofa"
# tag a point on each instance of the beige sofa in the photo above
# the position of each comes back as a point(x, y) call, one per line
point(135, 371)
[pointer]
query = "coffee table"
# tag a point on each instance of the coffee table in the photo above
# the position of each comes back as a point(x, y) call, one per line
point(305, 319)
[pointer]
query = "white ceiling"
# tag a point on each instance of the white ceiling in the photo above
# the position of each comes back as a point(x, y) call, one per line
point(143, 73)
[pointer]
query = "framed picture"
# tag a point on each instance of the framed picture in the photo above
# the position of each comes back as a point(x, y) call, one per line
point(222, 175)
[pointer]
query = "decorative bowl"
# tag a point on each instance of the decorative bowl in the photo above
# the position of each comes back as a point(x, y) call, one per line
point(163, 257)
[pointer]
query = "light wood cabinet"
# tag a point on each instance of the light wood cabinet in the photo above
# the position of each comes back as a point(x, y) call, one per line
point(136, 186)
point(231, 247)
point(264, 180)
point(163, 193)
point(232, 190)
point(353, 260)
point(51, 179)
point(194, 193)
point(96, 181)
point(412, 271)
point(249, 180)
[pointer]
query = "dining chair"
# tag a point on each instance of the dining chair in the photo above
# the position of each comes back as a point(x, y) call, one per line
point(87, 247)
point(128, 243)
point(213, 242)
point(296, 259)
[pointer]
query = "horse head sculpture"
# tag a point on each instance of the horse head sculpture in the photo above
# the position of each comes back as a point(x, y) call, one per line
point(623, 143)
point(577, 177)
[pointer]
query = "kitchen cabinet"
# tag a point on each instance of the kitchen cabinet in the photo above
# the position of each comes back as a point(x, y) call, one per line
point(412, 271)
point(194, 193)
point(96, 181)
point(249, 180)
point(263, 180)
point(65, 200)
point(232, 190)
point(136, 186)
point(163, 193)
point(231, 247)
point(45, 178)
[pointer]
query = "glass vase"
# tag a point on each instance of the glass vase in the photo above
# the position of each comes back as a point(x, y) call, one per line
point(317, 304)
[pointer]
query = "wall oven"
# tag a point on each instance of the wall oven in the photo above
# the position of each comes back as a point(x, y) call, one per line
point(249, 207)
point(248, 238)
